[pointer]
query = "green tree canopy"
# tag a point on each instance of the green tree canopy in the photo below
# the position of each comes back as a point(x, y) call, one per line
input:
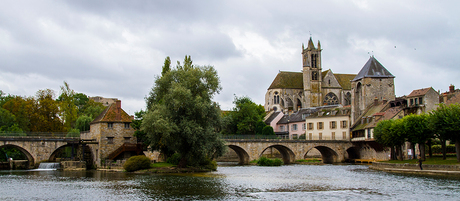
point(445, 123)
point(417, 130)
point(246, 117)
point(181, 114)
point(67, 106)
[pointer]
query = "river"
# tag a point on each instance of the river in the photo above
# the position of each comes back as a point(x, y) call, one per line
point(290, 182)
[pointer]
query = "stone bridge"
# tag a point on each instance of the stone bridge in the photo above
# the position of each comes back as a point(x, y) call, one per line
point(332, 151)
point(38, 149)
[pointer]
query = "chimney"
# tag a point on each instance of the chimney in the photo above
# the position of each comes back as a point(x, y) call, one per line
point(451, 88)
point(376, 101)
point(118, 115)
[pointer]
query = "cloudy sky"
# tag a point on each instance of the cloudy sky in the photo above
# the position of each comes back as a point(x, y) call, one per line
point(116, 48)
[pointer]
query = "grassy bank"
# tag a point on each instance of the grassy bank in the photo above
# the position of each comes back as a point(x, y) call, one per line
point(435, 160)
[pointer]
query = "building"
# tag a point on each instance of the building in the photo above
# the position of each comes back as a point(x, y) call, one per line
point(292, 126)
point(105, 101)
point(372, 82)
point(112, 135)
point(450, 97)
point(310, 88)
point(422, 101)
point(329, 124)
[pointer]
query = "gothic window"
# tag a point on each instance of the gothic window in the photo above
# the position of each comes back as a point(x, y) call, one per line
point(276, 98)
point(348, 98)
point(313, 60)
point(314, 75)
point(331, 99)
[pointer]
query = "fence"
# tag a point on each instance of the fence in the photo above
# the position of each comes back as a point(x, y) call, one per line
point(37, 134)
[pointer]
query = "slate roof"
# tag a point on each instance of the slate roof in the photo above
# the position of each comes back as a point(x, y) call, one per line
point(110, 115)
point(272, 117)
point(419, 92)
point(374, 69)
point(287, 80)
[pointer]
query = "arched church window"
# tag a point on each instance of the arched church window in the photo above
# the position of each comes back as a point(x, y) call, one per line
point(348, 98)
point(276, 98)
point(331, 99)
point(313, 60)
point(314, 75)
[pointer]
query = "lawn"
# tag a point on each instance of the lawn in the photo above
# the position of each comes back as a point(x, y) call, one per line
point(435, 160)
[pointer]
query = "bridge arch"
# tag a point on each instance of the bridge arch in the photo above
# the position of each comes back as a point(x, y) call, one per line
point(328, 155)
point(287, 154)
point(243, 155)
point(29, 156)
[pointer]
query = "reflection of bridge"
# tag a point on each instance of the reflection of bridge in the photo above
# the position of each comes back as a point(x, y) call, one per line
point(332, 151)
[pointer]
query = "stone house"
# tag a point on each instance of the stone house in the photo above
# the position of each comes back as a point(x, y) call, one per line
point(329, 124)
point(422, 101)
point(450, 97)
point(112, 136)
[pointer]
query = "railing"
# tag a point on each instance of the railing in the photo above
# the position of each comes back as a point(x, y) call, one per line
point(281, 137)
point(37, 134)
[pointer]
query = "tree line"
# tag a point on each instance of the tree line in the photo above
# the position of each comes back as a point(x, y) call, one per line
point(69, 112)
point(442, 124)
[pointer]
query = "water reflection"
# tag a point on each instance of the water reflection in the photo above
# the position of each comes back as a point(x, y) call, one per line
point(328, 182)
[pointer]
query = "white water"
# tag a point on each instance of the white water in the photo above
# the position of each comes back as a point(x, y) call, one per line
point(48, 166)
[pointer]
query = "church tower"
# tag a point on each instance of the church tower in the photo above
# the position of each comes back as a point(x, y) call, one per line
point(311, 57)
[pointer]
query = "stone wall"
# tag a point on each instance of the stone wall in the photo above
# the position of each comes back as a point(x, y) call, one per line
point(383, 165)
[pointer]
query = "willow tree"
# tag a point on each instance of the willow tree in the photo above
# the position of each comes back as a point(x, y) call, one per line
point(181, 114)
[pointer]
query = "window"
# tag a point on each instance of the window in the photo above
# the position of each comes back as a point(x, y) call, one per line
point(304, 116)
point(281, 128)
point(127, 139)
point(109, 140)
point(344, 124)
point(411, 101)
point(420, 100)
point(304, 126)
point(415, 101)
point(333, 135)
point(126, 125)
point(331, 99)
point(314, 75)
point(110, 125)
point(313, 60)
point(310, 126)
point(333, 124)
point(294, 127)
point(276, 98)
point(320, 125)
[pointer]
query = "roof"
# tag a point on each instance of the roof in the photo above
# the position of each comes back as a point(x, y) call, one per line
point(419, 92)
point(287, 80)
point(110, 114)
point(272, 117)
point(345, 80)
point(454, 99)
point(374, 69)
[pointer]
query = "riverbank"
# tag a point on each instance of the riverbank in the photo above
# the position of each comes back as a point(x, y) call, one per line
point(407, 168)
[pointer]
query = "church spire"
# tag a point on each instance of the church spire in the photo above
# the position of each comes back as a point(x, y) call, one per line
point(311, 46)
point(319, 45)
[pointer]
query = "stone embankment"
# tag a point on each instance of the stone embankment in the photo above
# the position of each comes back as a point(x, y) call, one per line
point(443, 170)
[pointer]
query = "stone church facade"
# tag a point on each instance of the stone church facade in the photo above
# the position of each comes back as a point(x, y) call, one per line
point(310, 88)
point(291, 91)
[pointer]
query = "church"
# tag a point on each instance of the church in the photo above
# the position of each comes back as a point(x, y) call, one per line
point(312, 87)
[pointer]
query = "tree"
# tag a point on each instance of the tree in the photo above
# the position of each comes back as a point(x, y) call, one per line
point(382, 135)
point(24, 111)
point(48, 113)
point(247, 116)
point(417, 130)
point(80, 100)
point(445, 122)
point(166, 67)
point(83, 123)
point(67, 106)
point(182, 116)
point(268, 130)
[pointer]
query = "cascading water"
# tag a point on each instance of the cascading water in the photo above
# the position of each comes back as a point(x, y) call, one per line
point(49, 166)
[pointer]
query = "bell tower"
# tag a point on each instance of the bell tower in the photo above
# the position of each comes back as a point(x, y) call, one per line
point(311, 60)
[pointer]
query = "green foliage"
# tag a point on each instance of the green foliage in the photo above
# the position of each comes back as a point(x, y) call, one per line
point(73, 132)
point(11, 152)
point(174, 159)
point(137, 163)
point(67, 106)
point(445, 120)
point(438, 149)
point(83, 123)
point(268, 130)
point(417, 128)
point(245, 118)
point(264, 161)
point(181, 115)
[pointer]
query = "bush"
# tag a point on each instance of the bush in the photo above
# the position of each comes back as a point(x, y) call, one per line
point(268, 130)
point(137, 163)
point(174, 159)
point(209, 165)
point(436, 149)
point(264, 161)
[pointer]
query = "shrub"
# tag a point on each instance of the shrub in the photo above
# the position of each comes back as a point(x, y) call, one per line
point(268, 130)
point(174, 159)
point(264, 161)
point(137, 163)
point(438, 149)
